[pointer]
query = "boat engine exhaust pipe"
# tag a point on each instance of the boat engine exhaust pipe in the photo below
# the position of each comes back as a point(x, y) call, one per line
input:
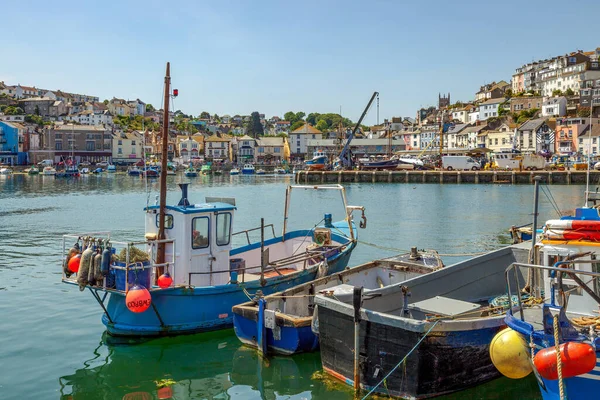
point(414, 254)
point(184, 195)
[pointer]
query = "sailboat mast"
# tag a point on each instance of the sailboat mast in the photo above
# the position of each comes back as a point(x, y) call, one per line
point(160, 255)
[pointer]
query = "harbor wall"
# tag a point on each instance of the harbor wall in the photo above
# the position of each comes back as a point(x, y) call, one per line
point(447, 177)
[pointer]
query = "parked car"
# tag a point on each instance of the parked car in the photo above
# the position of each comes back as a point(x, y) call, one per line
point(46, 163)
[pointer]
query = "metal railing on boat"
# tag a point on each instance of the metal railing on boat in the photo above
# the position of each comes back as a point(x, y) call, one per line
point(247, 231)
point(572, 273)
point(151, 245)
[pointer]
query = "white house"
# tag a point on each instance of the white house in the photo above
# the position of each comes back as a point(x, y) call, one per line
point(245, 147)
point(188, 148)
point(489, 108)
point(460, 114)
point(300, 137)
point(89, 117)
point(554, 107)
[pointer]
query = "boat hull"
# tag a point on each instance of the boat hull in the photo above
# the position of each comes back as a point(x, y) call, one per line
point(247, 172)
point(444, 362)
point(185, 310)
point(380, 165)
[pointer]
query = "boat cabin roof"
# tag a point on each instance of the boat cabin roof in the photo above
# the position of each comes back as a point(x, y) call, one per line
point(198, 208)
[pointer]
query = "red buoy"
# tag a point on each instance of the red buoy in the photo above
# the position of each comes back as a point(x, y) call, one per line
point(74, 263)
point(165, 280)
point(165, 392)
point(577, 359)
point(138, 299)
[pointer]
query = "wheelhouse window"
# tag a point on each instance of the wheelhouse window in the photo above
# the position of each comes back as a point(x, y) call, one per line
point(200, 232)
point(168, 221)
point(223, 228)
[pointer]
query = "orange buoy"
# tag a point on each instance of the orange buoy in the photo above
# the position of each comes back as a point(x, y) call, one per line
point(577, 359)
point(74, 263)
point(165, 280)
point(138, 299)
point(165, 392)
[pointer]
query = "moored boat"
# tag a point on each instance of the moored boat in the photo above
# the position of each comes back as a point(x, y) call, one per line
point(152, 288)
point(150, 172)
point(133, 171)
point(437, 327)
point(280, 171)
point(206, 169)
point(380, 164)
point(5, 171)
point(281, 323)
point(49, 171)
point(111, 168)
point(557, 341)
point(234, 171)
point(248, 169)
point(190, 172)
point(33, 170)
point(317, 162)
point(260, 171)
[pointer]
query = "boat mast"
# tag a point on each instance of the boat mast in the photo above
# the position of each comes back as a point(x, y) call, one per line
point(160, 255)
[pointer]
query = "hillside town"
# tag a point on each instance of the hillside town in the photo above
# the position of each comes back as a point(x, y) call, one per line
point(545, 108)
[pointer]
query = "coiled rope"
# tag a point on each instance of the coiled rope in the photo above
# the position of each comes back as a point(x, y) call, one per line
point(402, 361)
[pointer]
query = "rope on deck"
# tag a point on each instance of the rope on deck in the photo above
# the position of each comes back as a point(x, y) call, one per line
point(402, 361)
point(407, 251)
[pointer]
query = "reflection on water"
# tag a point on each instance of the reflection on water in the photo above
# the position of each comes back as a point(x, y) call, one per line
point(207, 366)
point(49, 347)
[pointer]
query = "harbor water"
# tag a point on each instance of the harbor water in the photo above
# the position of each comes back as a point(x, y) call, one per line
point(52, 342)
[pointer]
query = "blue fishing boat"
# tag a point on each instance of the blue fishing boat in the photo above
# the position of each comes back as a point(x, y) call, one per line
point(134, 171)
point(185, 276)
point(281, 323)
point(318, 162)
point(111, 168)
point(558, 340)
point(248, 169)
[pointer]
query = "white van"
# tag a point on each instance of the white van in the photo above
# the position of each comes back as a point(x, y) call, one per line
point(459, 163)
point(46, 163)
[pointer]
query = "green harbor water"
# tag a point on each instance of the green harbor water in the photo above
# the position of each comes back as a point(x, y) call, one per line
point(52, 343)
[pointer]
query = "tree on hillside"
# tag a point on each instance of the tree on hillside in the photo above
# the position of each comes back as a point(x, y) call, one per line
point(296, 125)
point(255, 128)
point(37, 110)
point(300, 116)
point(569, 92)
point(105, 101)
point(312, 118)
point(508, 93)
point(322, 125)
point(556, 92)
point(12, 110)
point(204, 115)
point(150, 108)
point(290, 116)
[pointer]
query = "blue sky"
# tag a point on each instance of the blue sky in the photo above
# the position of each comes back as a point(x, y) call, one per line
point(235, 57)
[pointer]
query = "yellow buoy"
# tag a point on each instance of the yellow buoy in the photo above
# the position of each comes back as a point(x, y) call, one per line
point(510, 354)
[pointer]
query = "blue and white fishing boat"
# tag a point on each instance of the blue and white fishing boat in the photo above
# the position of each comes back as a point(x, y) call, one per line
point(185, 276)
point(134, 171)
point(248, 169)
point(558, 341)
point(318, 162)
point(281, 323)
point(111, 168)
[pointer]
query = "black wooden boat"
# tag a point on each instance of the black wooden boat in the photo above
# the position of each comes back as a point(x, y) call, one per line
point(422, 338)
